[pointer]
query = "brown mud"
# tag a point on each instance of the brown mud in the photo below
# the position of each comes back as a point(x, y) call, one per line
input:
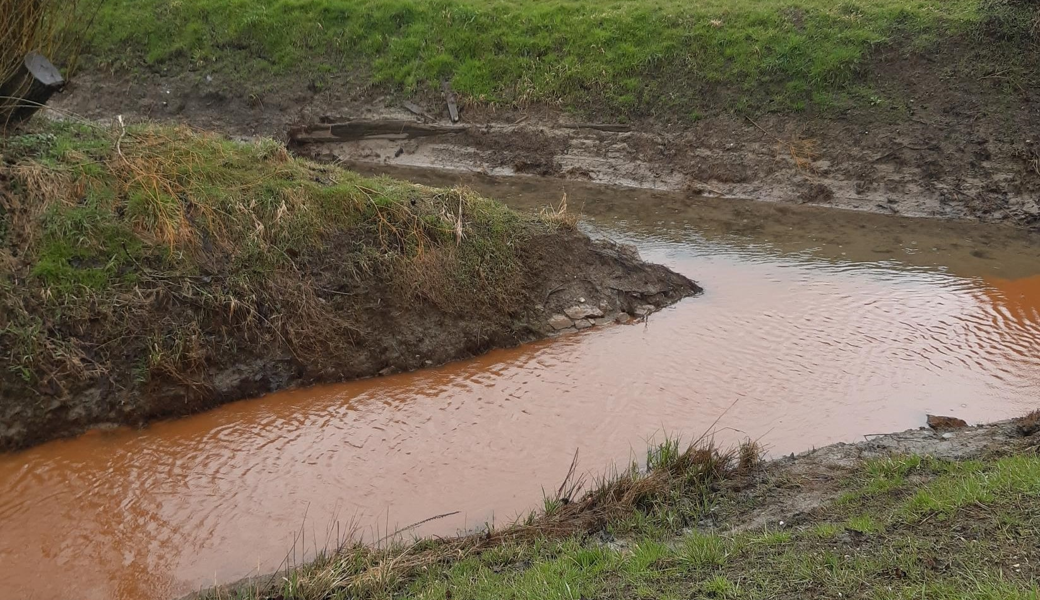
point(787, 491)
point(935, 146)
point(563, 271)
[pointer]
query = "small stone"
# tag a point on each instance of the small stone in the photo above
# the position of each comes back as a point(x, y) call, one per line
point(644, 310)
point(629, 251)
point(947, 436)
point(939, 422)
point(603, 321)
point(583, 311)
point(623, 318)
point(559, 322)
point(582, 324)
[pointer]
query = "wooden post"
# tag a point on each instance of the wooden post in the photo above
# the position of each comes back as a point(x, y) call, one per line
point(28, 89)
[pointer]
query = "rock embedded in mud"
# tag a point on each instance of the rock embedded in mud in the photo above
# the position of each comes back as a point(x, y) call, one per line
point(582, 324)
point(560, 322)
point(943, 423)
point(623, 318)
point(644, 310)
point(583, 311)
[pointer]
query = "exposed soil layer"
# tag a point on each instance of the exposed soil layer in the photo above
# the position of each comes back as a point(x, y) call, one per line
point(561, 271)
point(933, 146)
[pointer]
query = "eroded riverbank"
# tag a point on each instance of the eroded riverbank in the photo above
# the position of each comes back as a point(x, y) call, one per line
point(154, 272)
point(822, 325)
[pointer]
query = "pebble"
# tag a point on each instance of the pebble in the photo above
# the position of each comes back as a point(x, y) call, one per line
point(583, 311)
point(644, 310)
point(559, 322)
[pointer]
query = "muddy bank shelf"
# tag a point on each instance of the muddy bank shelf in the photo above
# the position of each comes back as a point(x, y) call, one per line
point(948, 512)
point(150, 272)
point(910, 169)
point(949, 162)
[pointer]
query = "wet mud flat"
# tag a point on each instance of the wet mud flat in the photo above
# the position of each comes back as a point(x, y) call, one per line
point(902, 171)
point(947, 154)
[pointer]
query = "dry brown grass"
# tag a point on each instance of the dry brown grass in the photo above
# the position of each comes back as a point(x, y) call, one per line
point(749, 455)
point(1029, 424)
point(559, 216)
point(803, 153)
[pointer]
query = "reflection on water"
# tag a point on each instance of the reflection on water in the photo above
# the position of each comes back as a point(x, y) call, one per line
point(822, 326)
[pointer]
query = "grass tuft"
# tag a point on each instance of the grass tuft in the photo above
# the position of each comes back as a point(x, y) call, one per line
point(1029, 424)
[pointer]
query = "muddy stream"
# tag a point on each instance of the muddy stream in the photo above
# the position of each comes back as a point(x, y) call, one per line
point(821, 325)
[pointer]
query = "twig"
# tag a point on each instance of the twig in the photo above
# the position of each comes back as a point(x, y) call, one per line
point(416, 524)
point(458, 224)
point(553, 291)
point(328, 291)
point(570, 474)
point(714, 423)
point(762, 129)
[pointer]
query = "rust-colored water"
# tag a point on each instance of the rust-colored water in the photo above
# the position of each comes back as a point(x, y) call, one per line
point(822, 326)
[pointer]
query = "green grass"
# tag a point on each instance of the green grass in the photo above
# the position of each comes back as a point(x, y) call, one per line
point(187, 247)
point(616, 57)
point(985, 546)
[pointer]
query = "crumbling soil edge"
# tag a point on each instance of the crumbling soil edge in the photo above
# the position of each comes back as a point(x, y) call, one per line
point(786, 491)
point(563, 271)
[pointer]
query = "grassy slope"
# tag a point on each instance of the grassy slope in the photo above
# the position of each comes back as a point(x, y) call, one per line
point(620, 57)
point(172, 249)
point(905, 527)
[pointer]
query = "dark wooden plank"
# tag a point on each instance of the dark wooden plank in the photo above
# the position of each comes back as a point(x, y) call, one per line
point(359, 130)
point(449, 96)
